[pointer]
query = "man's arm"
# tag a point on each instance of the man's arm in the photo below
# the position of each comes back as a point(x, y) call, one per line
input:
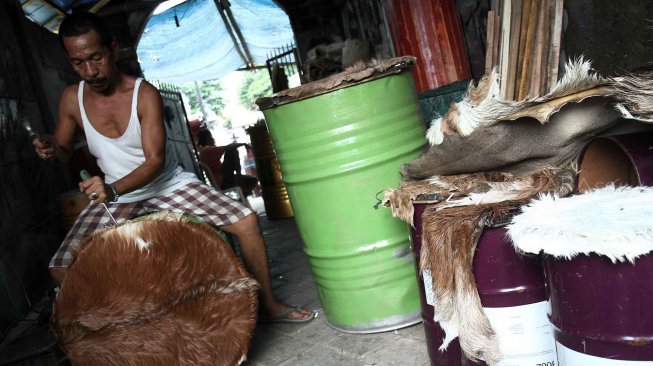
point(60, 145)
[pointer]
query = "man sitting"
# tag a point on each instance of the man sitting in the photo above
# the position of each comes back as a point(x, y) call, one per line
point(122, 119)
point(228, 173)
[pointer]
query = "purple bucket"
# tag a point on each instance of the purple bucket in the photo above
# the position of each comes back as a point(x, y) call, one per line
point(603, 311)
point(512, 292)
point(433, 332)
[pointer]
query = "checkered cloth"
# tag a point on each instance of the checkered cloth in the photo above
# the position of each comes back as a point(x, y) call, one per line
point(195, 199)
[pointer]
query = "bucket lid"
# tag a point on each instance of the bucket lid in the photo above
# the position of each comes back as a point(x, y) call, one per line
point(351, 76)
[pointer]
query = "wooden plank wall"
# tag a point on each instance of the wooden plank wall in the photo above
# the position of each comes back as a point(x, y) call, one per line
point(523, 41)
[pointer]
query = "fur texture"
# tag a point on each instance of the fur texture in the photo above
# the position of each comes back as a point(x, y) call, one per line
point(451, 228)
point(351, 76)
point(484, 132)
point(155, 292)
point(484, 106)
point(635, 94)
point(613, 222)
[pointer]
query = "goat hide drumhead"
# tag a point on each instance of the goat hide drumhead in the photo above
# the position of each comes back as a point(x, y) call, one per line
point(158, 291)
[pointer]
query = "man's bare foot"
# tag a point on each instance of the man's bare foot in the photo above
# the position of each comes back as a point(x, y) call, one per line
point(280, 312)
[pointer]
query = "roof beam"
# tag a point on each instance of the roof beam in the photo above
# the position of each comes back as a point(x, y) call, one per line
point(97, 6)
point(227, 8)
point(218, 4)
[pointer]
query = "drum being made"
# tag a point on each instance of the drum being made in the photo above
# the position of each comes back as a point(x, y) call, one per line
point(156, 291)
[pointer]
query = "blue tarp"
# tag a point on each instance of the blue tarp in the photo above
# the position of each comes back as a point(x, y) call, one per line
point(200, 48)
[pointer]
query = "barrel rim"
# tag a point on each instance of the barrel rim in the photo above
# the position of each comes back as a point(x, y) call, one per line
point(350, 77)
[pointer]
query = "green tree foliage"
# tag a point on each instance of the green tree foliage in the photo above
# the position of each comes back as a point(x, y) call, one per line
point(211, 94)
point(255, 84)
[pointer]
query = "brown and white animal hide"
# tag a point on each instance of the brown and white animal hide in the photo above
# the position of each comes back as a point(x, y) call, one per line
point(484, 105)
point(472, 189)
point(486, 133)
point(520, 147)
point(435, 189)
point(451, 229)
point(160, 291)
point(634, 91)
point(351, 76)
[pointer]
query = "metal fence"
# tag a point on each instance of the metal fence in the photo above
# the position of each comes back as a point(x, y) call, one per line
point(178, 133)
point(282, 63)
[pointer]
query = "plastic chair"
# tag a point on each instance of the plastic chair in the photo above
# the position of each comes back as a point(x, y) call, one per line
point(235, 193)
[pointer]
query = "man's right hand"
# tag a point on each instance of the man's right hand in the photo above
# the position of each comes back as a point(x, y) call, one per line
point(45, 146)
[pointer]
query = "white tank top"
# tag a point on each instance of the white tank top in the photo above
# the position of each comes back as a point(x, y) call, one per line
point(118, 157)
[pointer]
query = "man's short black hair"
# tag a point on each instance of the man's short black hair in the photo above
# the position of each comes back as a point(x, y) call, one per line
point(204, 137)
point(81, 22)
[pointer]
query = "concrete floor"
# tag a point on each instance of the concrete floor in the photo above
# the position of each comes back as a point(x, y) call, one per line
point(315, 343)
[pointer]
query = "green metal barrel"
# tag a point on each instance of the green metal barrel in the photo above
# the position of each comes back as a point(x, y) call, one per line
point(337, 151)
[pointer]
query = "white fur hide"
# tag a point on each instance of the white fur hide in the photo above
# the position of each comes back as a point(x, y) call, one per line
point(616, 222)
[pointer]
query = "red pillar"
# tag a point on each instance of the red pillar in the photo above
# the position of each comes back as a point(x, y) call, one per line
point(431, 31)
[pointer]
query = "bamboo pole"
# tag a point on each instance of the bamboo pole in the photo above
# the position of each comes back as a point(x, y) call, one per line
point(490, 46)
point(524, 78)
point(526, 9)
point(541, 40)
point(504, 57)
point(513, 50)
point(554, 54)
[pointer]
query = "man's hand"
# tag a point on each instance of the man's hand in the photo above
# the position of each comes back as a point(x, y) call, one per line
point(96, 189)
point(45, 146)
point(235, 145)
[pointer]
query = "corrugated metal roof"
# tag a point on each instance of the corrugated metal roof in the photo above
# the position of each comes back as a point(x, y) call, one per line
point(50, 13)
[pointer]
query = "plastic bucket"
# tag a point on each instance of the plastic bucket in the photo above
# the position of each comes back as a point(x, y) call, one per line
point(602, 310)
point(512, 292)
point(433, 332)
point(337, 150)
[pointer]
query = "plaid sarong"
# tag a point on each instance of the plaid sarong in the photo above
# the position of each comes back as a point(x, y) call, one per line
point(195, 199)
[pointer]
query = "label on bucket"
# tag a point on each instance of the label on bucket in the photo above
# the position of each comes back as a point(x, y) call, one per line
point(525, 335)
point(569, 357)
point(428, 287)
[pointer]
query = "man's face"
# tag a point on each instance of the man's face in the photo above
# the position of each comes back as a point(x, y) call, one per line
point(92, 61)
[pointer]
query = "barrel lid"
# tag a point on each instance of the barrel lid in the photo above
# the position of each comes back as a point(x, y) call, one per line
point(353, 75)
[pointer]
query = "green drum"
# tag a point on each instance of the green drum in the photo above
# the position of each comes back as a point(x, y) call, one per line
point(339, 142)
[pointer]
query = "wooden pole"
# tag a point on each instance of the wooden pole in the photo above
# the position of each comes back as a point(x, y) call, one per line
point(524, 78)
point(526, 9)
point(554, 54)
point(490, 47)
point(504, 57)
point(513, 51)
point(538, 56)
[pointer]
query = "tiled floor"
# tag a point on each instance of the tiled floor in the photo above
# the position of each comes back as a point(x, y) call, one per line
point(315, 343)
